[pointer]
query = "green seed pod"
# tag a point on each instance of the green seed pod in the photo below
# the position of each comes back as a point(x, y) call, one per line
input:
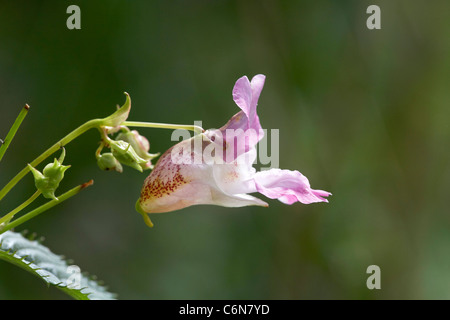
point(48, 181)
point(107, 162)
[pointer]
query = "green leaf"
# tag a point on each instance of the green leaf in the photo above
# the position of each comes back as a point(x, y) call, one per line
point(37, 259)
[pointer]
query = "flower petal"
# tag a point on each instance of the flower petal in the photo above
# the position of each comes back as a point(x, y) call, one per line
point(243, 95)
point(288, 187)
point(178, 181)
point(246, 95)
point(236, 177)
point(243, 131)
point(257, 85)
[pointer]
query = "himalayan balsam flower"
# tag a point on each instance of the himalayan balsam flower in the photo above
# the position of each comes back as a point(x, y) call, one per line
point(219, 170)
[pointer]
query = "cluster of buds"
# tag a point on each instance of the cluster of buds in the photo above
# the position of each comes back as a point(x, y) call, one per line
point(129, 148)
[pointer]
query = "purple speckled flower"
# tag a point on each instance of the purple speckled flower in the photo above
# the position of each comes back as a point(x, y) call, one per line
point(224, 178)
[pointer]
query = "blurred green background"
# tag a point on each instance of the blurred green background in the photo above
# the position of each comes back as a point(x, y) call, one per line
point(362, 113)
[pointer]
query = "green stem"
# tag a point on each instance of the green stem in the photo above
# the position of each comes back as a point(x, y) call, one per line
point(46, 206)
point(6, 218)
point(61, 143)
point(13, 130)
point(96, 123)
point(194, 128)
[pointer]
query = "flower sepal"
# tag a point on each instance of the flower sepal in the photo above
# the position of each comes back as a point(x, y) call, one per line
point(125, 154)
point(141, 146)
point(119, 116)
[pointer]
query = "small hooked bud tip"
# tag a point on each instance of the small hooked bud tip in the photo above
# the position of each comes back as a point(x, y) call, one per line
point(144, 214)
point(62, 156)
point(36, 173)
point(147, 220)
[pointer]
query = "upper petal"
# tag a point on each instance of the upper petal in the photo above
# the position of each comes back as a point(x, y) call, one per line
point(242, 94)
point(246, 95)
point(243, 131)
point(257, 85)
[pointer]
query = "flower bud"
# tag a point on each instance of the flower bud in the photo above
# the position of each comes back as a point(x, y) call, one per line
point(48, 181)
point(140, 145)
point(126, 155)
point(106, 161)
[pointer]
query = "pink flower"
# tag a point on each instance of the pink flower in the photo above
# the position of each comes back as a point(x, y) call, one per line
point(219, 170)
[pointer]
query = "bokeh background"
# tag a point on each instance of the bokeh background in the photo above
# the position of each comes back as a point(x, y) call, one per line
point(362, 113)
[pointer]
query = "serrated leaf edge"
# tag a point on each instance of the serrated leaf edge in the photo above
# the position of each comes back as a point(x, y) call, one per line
point(83, 293)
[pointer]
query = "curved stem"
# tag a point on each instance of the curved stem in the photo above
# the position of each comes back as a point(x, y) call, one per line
point(46, 206)
point(194, 128)
point(6, 218)
point(96, 123)
point(61, 143)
